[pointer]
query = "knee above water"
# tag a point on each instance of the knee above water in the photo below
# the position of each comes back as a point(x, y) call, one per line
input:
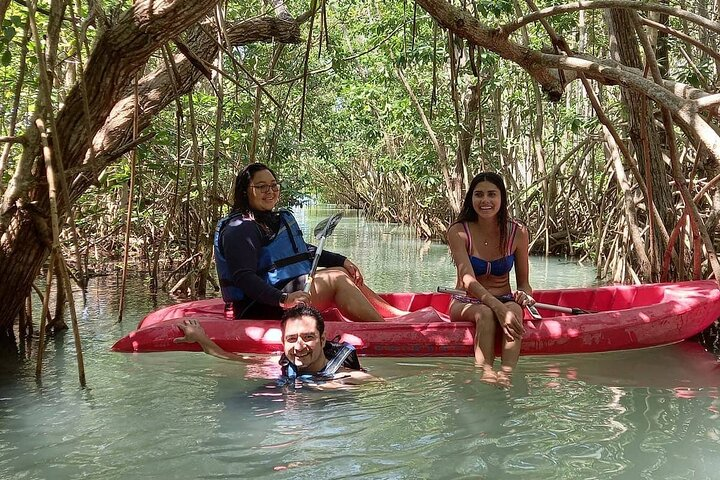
point(484, 323)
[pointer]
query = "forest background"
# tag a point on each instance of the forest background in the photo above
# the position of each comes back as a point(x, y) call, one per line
point(123, 125)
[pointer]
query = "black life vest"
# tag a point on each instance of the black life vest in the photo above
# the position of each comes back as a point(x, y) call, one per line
point(338, 354)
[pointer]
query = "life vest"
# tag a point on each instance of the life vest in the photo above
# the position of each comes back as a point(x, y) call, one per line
point(338, 355)
point(286, 255)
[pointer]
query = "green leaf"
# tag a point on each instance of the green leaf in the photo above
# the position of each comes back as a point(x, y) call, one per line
point(6, 58)
point(8, 34)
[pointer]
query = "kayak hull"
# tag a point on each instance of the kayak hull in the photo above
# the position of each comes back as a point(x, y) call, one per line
point(627, 317)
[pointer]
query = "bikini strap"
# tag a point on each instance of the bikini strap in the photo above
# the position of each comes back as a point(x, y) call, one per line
point(468, 242)
point(511, 237)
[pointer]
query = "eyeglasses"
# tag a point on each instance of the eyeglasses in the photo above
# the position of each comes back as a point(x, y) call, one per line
point(266, 187)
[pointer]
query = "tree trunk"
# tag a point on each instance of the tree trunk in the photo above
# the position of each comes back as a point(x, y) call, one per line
point(119, 53)
point(641, 128)
point(4, 4)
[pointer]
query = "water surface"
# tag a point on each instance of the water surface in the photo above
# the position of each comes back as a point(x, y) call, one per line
point(649, 413)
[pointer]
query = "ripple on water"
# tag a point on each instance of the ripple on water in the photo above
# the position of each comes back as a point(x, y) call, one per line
point(646, 414)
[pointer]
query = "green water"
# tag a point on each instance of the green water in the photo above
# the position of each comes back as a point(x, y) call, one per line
point(638, 414)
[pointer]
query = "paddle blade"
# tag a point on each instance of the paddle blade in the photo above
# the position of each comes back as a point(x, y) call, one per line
point(326, 227)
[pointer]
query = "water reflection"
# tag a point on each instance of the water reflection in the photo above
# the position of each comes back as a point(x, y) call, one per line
point(399, 262)
point(685, 367)
point(639, 414)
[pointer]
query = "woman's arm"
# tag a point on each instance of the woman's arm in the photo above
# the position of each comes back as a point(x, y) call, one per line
point(328, 258)
point(332, 259)
point(522, 263)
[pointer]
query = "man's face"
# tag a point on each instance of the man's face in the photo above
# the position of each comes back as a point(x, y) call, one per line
point(303, 344)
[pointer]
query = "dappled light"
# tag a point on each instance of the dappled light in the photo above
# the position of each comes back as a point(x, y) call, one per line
point(271, 335)
point(612, 146)
point(632, 316)
point(124, 127)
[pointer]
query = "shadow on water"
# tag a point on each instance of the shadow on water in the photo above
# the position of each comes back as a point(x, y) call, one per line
point(685, 368)
point(710, 338)
point(638, 414)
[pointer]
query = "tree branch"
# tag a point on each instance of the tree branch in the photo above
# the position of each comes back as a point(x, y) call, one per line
point(509, 28)
point(157, 90)
point(463, 24)
point(21, 139)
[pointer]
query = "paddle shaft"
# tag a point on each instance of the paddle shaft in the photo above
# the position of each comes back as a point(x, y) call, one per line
point(322, 231)
point(546, 306)
point(314, 267)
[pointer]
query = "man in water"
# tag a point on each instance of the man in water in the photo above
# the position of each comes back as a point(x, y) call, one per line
point(307, 356)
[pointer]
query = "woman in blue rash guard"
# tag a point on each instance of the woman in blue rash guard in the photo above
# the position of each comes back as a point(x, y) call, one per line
point(485, 245)
point(263, 260)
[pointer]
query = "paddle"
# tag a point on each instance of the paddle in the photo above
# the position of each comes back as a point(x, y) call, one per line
point(322, 230)
point(535, 314)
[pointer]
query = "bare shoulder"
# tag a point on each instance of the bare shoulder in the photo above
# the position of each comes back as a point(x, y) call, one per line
point(522, 238)
point(456, 231)
point(455, 228)
point(521, 228)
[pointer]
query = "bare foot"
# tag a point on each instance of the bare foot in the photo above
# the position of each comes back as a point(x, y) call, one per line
point(489, 378)
point(504, 380)
point(488, 374)
point(504, 377)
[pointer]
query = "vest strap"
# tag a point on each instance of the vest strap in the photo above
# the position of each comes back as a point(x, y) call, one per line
point(284, 262)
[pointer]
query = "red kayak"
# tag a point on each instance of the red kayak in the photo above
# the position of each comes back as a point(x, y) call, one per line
point(623, 317)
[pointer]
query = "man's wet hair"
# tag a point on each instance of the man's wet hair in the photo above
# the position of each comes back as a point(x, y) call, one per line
point(303, 310)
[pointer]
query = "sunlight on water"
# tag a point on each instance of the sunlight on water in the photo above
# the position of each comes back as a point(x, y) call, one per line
point(393, 259)
point(649, 413)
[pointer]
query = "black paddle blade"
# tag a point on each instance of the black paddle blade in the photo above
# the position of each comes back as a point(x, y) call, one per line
point(326, 227)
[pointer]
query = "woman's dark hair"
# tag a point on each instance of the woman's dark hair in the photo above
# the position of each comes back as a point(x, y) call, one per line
point(241, 203)
point(468, 213)
point(302, 310)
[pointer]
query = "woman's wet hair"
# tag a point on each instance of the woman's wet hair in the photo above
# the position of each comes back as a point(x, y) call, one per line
point(468, 213)
point(241, 203)
point(303, 310)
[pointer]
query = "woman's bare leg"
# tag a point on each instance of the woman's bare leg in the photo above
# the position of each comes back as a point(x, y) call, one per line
point(485, 324)
point(379, 303)
point(334, 287)
point(510, 351)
